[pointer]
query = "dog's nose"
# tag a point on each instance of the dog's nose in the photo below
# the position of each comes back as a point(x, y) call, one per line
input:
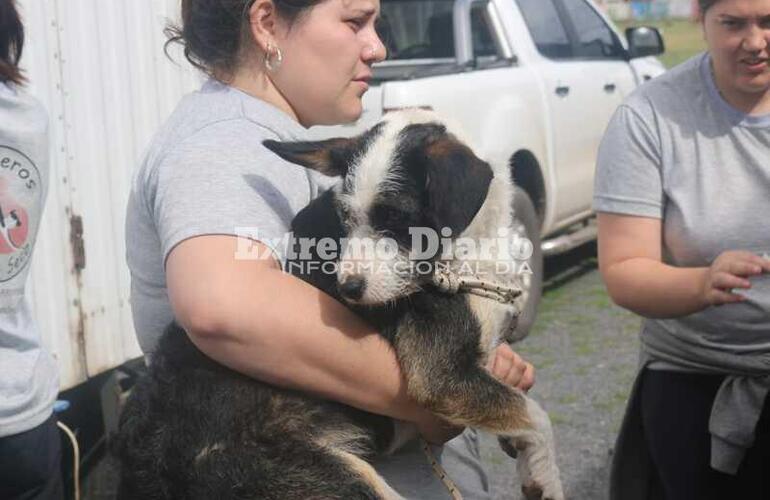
point(352, 288)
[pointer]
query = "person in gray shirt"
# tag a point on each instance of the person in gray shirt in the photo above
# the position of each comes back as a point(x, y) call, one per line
point(276, 68)
point(30, 452)
point(683, 196)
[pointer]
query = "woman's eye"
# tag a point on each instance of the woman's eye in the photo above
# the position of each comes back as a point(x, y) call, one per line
point(356, 24)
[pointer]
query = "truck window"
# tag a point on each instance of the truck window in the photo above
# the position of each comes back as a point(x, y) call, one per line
point(424, 29)
point(595, 40)
point(417, 29)
point(545, 26)
point(484, 45)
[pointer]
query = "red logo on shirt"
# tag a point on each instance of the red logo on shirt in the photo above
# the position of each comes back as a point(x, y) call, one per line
point(20, 205)
point(14, 225)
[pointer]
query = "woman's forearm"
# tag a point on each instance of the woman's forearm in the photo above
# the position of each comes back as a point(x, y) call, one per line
point(656, 290)
point(290, 334)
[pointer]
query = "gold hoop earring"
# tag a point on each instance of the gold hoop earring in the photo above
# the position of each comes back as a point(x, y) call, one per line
point(273, 57)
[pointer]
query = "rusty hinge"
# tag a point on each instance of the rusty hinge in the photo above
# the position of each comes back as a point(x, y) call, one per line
point(76, 240)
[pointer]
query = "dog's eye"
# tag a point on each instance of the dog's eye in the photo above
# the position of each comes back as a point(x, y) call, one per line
point(389, 217)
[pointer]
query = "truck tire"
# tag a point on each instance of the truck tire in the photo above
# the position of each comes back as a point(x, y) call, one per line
point(527, 225)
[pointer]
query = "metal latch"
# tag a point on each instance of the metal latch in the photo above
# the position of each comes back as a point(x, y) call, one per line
point(76, 240)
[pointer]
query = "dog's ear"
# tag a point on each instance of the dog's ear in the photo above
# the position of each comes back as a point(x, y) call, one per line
point(457, 183)
point(332, 157)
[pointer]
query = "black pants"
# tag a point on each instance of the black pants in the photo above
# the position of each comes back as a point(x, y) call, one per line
point(30, 464)
point(675, 415)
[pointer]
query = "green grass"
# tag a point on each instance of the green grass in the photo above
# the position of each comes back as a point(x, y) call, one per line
point(683, 38)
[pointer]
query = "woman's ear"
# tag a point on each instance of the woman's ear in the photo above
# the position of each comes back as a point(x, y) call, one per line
point(263, 23)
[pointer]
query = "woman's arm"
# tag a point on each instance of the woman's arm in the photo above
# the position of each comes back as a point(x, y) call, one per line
point(252, 317)
point(637, 279)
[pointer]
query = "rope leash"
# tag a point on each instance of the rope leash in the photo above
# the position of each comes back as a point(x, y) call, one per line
point(450, 282)
point(439, 471)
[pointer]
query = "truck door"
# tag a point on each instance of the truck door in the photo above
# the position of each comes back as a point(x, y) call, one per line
point(585, 76)
point(605, 79)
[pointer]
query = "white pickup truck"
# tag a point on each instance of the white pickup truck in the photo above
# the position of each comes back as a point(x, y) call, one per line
point(533, 82)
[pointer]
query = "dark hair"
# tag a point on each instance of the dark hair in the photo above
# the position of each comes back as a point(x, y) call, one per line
point(214, 33)
point(11, 43)
point(704, 5)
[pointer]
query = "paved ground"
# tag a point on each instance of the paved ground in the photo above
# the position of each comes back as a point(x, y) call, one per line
point(584, 349)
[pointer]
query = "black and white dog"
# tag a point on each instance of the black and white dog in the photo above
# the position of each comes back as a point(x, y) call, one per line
point(194, 429)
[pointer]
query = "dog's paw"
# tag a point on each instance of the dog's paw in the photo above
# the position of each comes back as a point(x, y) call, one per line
point(536, 466)
point(539, 475)
point(533, 491)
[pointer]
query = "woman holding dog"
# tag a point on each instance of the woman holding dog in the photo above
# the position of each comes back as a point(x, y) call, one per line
point(276, 68)
point(682, 191)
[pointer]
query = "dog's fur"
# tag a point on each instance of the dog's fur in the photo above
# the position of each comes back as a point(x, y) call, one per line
point(194, 429)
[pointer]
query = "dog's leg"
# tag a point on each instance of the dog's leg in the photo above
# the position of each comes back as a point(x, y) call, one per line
point(535, 456)
point(481, 402)
point(440, 358)
point(519, 421)
point(367, 474)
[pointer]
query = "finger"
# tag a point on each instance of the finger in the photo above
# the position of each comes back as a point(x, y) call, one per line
point(515, 374)
point(502, 353)
point(726, 281)
point(738, 255)
point(527, 378)
point(501, 367)
point(505, 351)
point(718, 298)
point(763, 262)
point(748, 267)
point(491, 362)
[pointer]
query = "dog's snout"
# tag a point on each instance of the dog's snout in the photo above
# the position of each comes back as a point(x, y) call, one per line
point(353, 287)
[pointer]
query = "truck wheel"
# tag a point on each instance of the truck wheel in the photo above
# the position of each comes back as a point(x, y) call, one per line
point(527, 225)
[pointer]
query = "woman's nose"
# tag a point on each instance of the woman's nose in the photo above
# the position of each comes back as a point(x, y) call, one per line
point(756, 40)
point(375, 51)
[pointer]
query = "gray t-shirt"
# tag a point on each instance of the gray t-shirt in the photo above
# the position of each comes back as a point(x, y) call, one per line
point(29, 380)
point(207, 172)
point(676, 150)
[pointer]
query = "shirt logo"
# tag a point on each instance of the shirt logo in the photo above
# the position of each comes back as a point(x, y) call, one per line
point(20, 205)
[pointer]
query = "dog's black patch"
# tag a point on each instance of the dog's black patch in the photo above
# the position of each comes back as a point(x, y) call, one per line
point(453, 181)
point(197, 430)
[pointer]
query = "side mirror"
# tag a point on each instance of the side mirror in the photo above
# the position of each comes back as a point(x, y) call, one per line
point(644, 41)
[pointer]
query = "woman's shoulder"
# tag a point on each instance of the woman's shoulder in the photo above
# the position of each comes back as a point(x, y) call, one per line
point(21, 111)
point(671, 90)
point(218, 122)
point(23, 127)
point(218, 107)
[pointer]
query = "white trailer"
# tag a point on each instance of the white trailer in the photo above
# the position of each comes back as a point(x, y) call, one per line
point(99, 69)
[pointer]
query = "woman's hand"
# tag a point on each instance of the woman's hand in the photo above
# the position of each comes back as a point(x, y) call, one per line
point(731, 270)
point(511, 369)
